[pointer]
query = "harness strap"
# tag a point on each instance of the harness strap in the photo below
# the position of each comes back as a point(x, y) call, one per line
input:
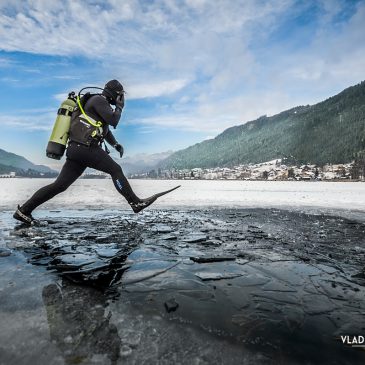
point(89, 119)
point(64, 111)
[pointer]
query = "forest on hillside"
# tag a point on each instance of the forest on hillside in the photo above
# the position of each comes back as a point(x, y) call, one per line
point(332, 131)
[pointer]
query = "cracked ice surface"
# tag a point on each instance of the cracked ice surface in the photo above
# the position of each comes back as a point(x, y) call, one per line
point(213, 286)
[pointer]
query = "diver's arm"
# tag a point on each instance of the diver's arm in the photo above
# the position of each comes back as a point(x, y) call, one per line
point(113, 142)
point(109, 137)
point(109, 116)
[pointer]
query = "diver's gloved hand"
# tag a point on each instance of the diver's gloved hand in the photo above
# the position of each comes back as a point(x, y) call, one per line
point(120, 149)
point(119, 101)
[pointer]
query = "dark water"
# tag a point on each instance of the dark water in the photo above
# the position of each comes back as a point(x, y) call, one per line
point(190, 287)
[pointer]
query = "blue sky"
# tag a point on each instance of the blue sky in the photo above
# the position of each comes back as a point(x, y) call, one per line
point(191, 68)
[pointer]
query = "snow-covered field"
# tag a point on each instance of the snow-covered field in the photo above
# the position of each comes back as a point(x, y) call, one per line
point(347, 197)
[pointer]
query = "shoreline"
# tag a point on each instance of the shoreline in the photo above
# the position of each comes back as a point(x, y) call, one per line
point(147, 179)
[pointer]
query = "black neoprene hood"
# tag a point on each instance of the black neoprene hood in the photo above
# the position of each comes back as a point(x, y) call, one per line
point(112, 89)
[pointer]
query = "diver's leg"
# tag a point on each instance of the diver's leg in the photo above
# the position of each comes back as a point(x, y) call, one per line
point(101, 161)
point(71, 170)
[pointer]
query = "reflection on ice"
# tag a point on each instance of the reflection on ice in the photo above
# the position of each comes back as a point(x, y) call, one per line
point(79, 324)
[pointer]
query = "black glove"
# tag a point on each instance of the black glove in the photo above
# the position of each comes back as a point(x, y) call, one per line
point(120, 149)
point(119, 101)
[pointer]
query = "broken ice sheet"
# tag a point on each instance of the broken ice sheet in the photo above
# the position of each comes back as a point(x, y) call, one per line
point(107, 252)
point(75, 260)
point(141, 271)
point(278, 286)
point(76, 231)
point(317, 304)
point(168, 237)
point(270, 255)
point(206, 258)
point(161, 228)
point(279, 297)
point(217, 275)
point(195, 238)
point(4, 252)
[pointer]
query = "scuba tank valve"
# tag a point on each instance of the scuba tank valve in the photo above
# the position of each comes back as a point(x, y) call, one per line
point(59, 137)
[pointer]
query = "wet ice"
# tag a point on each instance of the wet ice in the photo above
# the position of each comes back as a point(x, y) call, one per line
point(262, 285)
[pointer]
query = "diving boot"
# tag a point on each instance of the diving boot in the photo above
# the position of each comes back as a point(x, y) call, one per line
point(142, 203)
point(23, 217)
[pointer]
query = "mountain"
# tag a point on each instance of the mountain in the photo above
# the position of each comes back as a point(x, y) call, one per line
point(5, 169)
point(332, 131)
point(143, 162)
point(17, 162)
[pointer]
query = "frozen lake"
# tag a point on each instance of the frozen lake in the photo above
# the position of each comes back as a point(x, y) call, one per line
point(188, 284)
point(347, 198)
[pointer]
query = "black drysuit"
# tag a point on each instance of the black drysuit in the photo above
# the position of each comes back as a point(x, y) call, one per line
point(80, 156)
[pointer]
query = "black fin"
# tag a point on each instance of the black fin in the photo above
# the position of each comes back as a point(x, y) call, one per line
point(144, 203)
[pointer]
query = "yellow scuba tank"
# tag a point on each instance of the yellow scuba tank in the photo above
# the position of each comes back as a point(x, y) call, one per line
point(59, 137)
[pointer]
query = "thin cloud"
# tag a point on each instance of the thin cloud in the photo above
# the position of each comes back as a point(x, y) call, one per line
point(7, 63)
point(137, 90)
point(60, 97)
point(152, 90)
point(67, 77)
point(29, 122)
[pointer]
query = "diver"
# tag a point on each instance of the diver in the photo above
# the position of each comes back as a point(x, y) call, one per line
point(84, 150)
